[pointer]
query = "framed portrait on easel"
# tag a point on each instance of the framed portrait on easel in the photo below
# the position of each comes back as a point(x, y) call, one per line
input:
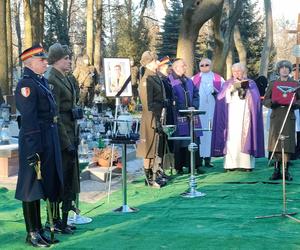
point(116, 72)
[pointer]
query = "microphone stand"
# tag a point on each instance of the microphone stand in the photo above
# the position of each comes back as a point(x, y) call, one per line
point(281, 137)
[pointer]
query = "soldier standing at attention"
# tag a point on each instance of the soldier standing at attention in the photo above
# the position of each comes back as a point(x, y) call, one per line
point(40, 169)
point(65, 96)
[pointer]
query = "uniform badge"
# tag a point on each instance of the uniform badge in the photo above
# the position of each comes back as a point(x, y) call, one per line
point(25, 91)
point(51, 87)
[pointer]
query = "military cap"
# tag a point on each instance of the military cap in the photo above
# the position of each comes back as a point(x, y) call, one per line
point(34, 51)
point(165, 60)
point(284, 63)
point(57, 52)
point(148, 57)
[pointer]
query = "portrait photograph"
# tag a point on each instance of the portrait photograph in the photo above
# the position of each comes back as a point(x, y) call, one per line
point(116, 72)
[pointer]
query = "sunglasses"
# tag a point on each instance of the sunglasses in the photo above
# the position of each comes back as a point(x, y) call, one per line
point(204, 65)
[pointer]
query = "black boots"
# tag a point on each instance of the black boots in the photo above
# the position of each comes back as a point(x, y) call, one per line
point(276, 174)
point(287, 175)
point(32, 224)
point(153, 180)
point(60, 224)
point(207, 162)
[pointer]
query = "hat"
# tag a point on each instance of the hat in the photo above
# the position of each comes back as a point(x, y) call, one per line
point(284, 63)
point(165, 60)
point(34, 51)
point(148, 57)
point(57, 52)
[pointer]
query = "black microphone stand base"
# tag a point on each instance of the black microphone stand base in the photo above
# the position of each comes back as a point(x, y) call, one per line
point(126, 209)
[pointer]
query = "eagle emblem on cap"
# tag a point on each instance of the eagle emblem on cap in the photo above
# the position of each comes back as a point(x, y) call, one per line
point(25, 91)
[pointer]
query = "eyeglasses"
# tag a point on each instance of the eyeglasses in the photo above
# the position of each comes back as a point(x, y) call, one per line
point(204, 65)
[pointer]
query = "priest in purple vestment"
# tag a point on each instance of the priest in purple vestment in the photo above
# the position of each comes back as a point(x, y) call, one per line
point(238, 122)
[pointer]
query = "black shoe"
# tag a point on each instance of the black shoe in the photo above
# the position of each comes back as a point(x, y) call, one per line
point(34, 239)
point(200, 171)
point(288, 176)
point(164, 176)
point(67, 230)
point(72, 227)
point(47, 238)
point(179, 172)
point(209, 165)
point(276, 175)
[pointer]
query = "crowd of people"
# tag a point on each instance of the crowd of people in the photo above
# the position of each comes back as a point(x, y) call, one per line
point(47, 98)
point(232, 126)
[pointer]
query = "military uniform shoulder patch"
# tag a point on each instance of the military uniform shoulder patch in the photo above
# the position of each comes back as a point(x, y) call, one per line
point(25, 91)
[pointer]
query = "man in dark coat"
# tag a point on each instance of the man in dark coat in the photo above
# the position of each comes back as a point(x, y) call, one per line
point(65, 95)
point(277, 102)
point(186, 97)
point(40, 168)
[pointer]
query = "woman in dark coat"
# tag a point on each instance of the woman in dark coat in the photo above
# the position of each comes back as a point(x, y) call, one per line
point(279, 110)
point(151, 93)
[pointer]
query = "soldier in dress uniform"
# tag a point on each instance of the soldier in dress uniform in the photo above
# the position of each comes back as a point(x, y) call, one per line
point(40, 168)
point(64, 93)
point(86, 77)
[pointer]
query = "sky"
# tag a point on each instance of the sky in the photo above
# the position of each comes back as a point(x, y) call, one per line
point(286, 8)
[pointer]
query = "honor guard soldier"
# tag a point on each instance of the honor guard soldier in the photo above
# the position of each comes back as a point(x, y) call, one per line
point(64, 92)
point(40, 168)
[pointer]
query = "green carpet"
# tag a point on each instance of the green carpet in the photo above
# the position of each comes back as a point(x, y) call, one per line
point(223, 219)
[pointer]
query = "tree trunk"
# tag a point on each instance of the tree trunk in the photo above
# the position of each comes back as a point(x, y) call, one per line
point(65, 14)
point(18, 27)
point(268, 43)
point(195, 14)
point(35, 19)
point(234, 13)
point(42, 20)
point(229, 62)
point(240, 47)
point(9, 47)
point(98, 35)
point(89, 30)
point(27, 24)
point(164, 3)
point(70, 13)
point(3, 49)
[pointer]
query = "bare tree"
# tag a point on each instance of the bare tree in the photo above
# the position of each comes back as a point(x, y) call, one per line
point(37, 18)
point(89, 30)
point(3, 48)
point(195, 14)
point(27, 24)
point(268, 43)
point(98, 36)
